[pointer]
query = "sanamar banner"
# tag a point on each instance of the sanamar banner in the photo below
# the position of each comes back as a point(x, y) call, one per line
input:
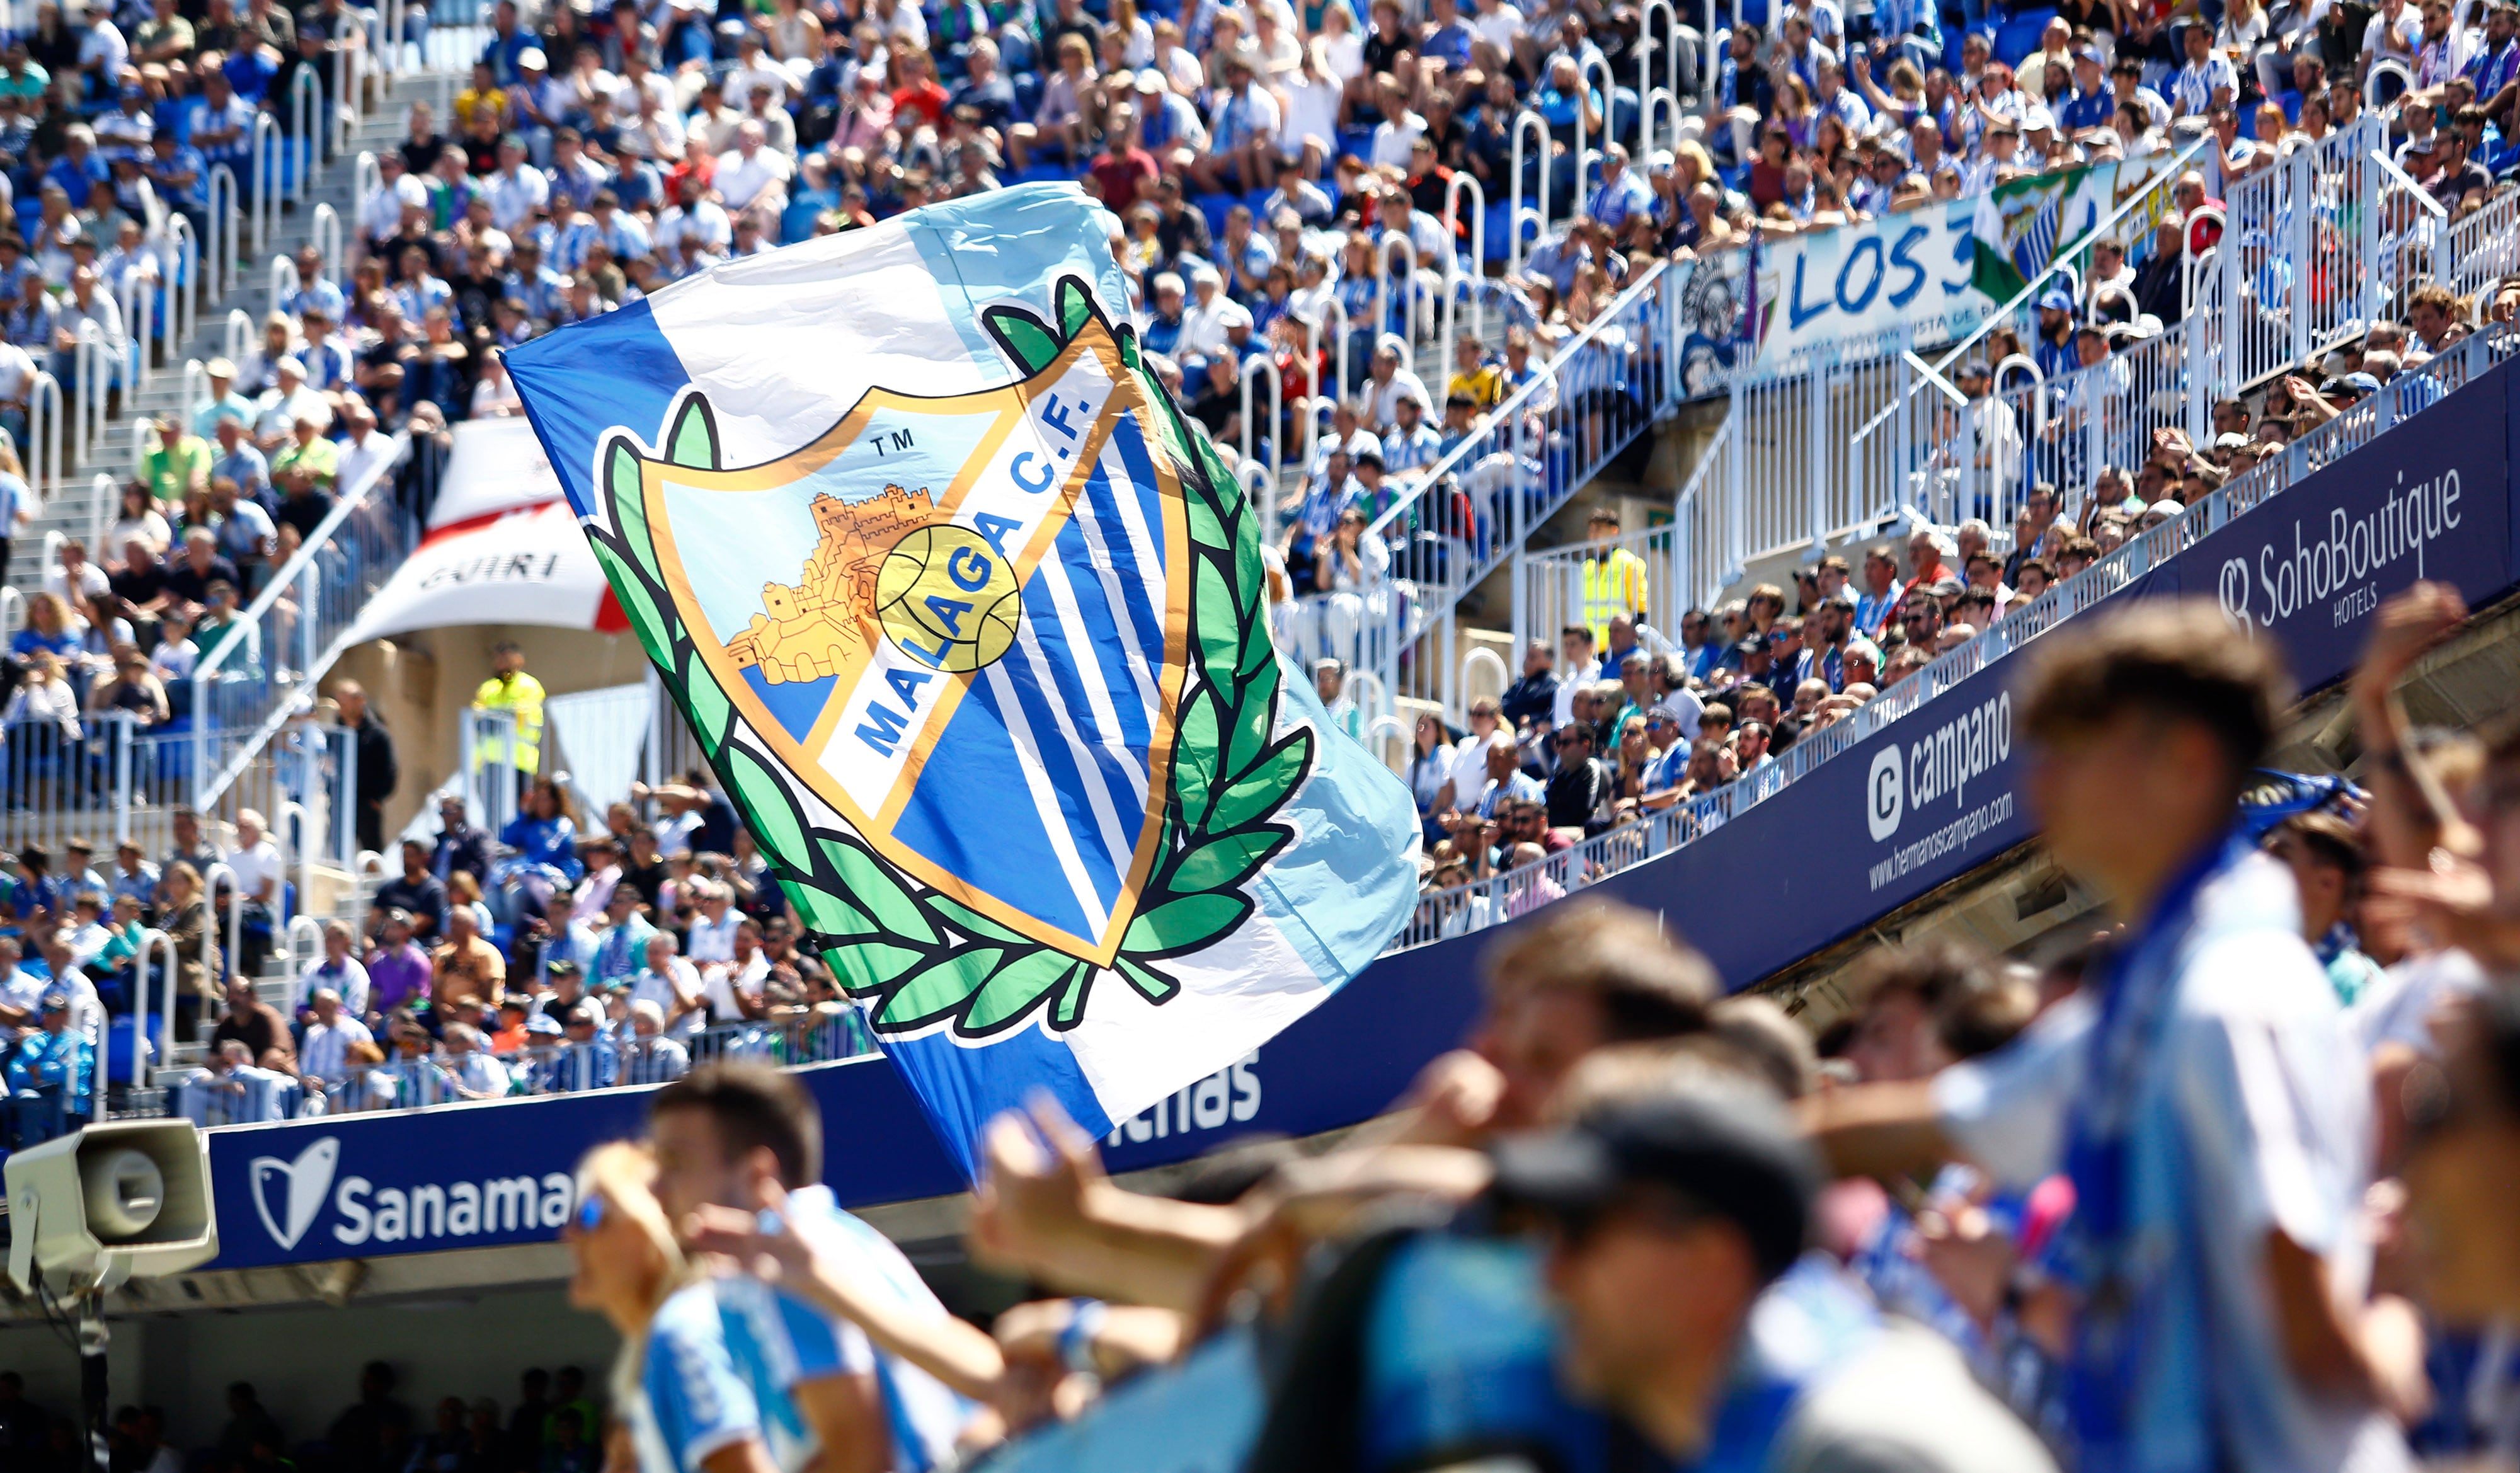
point(969, 619)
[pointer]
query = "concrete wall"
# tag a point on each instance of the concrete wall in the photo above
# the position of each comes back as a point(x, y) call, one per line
point(423, 681)
point(306, 1362)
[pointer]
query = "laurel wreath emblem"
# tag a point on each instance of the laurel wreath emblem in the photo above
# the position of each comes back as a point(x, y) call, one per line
point(913, 956)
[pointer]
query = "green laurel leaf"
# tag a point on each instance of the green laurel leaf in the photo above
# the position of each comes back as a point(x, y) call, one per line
point(1266, 785)
point(1068, 1008)
point(637, 602)
point(1150, 984)
point(823, 910)
point(1075, 307)
point(1206, 527)
point(1014, 989)
point(940, 989)
point(705, 702)
point(971, 922)
point(694, 441)
point(1227, 860)
point(1026, 338)
point(771, 812)
point(1194, 746)
point(1185, 923)
point(871, 885)
point(866, 968)
point(1214, 625)
point(1246, 739)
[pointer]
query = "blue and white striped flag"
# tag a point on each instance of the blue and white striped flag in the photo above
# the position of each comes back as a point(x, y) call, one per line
point(970, 620)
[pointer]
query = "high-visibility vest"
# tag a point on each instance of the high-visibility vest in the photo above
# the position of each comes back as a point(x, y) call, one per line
point(522, 696)
point(1612, 585)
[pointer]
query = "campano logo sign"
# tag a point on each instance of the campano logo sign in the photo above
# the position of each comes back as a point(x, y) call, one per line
point(2232, 589)
point(1885, 794)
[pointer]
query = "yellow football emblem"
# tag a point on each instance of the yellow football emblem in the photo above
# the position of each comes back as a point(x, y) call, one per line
point(948, 599)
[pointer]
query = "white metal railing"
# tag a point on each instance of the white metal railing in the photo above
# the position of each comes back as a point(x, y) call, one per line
point(438, 1075)
point(1466, 514)
point(246, 687)
point(1490, 900)
point(45, 436)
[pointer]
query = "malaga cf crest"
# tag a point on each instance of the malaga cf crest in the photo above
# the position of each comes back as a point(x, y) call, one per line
point(987, 673)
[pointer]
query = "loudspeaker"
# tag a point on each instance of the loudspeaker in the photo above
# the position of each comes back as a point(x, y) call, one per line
point(120, 1199)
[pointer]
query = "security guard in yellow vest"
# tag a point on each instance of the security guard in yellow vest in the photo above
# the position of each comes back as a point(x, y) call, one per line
point(511, 688)
point(1614, 583)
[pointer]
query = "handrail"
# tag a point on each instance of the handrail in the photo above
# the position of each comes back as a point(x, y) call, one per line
point(305, 110)
point(2064, 257)
point(45, 411)
point(210, 923)
point(2408, 182)
point(2056, 605)
point(266, 160)
point(151, 939)
point(1449, 463)
point(1528, 119)
point(224, 228)
point(300, 568)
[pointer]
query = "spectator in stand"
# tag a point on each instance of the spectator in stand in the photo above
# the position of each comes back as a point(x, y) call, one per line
point(324, 1049)
point(340, 972)
point(259, 1027)
point(420, 895)
point(460, 847)
point(467, 965)
point(399, 968)
point(378, 772)
point(261, 879)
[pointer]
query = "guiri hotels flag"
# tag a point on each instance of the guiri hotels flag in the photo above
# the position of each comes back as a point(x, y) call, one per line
point(969, 619)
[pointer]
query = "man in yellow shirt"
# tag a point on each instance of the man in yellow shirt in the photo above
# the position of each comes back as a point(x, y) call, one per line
point(1614, 578)
point(510, 689)
point(175, 462)
point(1474, 376)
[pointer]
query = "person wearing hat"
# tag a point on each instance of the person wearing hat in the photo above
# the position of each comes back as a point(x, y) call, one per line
point(2055, 350)
point(1675, 1214)
point(51, 1075)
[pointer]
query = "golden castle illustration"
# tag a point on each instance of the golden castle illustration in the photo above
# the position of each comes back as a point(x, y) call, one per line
point(811, 628)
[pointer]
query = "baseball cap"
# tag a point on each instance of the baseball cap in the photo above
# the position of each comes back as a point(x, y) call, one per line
point(1731, 1152)
point(2058, 298)
point(53, 1001)
point(2362, 384)
point(542, 1022)
point(219, 368)
point(2165, 508)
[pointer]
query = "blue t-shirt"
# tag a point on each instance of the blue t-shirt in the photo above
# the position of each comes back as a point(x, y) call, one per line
point(690, 1403)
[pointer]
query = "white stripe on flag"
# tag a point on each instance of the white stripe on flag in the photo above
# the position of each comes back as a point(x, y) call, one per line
point(1086, 662)
point(1045, 801)
point(1143, 663)
point(1117, 842)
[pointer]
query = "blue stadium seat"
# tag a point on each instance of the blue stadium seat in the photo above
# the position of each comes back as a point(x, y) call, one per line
point(1499, 228)
point(2018, 36)
point(1214, 207)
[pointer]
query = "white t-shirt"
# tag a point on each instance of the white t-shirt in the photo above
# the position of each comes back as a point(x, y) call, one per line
point(256, 865)
point(713, 941)
point(650, 986)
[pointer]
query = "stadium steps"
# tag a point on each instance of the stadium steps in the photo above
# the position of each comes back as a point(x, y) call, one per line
point(70, 509)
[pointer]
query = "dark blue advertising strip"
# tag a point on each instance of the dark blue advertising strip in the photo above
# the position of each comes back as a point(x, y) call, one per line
point(1918, 804)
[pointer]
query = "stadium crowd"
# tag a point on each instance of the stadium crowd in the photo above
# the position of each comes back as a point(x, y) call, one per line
point(536, 960)
point(1627, 717)
point(2216, 1183)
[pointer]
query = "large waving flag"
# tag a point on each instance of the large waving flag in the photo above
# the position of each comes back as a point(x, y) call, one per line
point(969, 619)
